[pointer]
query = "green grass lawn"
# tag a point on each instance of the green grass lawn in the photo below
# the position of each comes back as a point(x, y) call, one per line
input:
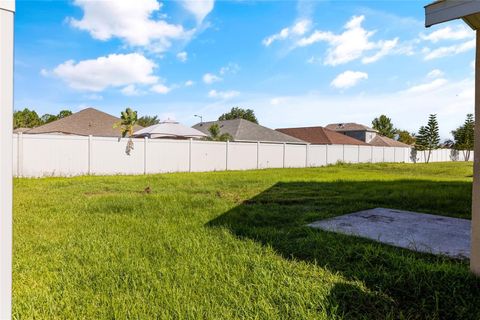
point(227, 245)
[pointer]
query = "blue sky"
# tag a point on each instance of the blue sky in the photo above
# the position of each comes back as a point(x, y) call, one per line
point(296, 63)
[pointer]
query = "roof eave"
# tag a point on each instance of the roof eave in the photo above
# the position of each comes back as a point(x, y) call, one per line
point(447, 10)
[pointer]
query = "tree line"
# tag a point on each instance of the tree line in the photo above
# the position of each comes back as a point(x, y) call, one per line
point(428, 138)
point(27, 118)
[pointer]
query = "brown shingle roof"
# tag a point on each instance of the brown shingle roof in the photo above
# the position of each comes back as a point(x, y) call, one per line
point(321, 135)
point(350, 126)
point(86, 122)
point(381, 141)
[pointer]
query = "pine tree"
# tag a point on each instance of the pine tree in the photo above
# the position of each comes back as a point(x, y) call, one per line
point(384, 126)
point(464, 136)
point(428, 137)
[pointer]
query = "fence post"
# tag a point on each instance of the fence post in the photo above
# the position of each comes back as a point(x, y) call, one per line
point(89, 170)
point(343, 156)
point(358, 158)
point(383, 148)
point(19, 154)
point(145, 144)
point(307, 155)
point(284, 151)
point(258, 154)
point(227, 145)
point(394, 154)
point(326, 154)
point(190, 155)
point(371, 154)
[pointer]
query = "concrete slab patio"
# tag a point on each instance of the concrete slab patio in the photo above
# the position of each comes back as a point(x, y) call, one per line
point(411, 230)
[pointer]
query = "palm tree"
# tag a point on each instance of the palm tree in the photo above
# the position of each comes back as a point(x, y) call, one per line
point(126, 124)
point(215, 134)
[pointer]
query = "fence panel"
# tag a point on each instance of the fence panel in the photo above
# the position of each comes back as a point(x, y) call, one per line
point(377, 154)
point(399, 154)
point(317, 155)
point(15, 155)
point(108, 156)
point(334, 153)
point(57, 155)
point(350, 154)
point(242, 156)
point(365, 154)
point(208, 156)
point(53, 155)
point(167, 156)
point(295, 155)
point(389, 154)
point(270, 155)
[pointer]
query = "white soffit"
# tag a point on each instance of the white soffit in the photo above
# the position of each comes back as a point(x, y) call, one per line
point(8, 5)
point(447, 10)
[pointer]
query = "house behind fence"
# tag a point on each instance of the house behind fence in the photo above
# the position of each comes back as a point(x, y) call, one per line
point(38, 155)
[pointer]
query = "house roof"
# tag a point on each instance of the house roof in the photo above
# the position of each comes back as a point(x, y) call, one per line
point(381, 141)
point(168, 129)
point(21, 130)
point(349, 126)
point(86, 122)
point(321, 135)
point(244, 130)
point(446, 10)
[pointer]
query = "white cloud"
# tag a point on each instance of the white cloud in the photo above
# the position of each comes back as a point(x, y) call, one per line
point(130, 20)
point(277, 101)
point(189, 83)
point(161, 88)
point(350, 45)
point(224, 95)
point(114, 70)
point(182, 56)
point(449, 50)
point(348, 79)
point(428, 87)
point(230, 68)
point(298, 29)
point(385, 48)
point(210, 78)
point(130, 90)
point(408, 110)
point(435, 73)
point(458, 32)
point(199, 8)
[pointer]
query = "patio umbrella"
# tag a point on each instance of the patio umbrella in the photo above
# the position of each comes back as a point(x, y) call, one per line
point(169, 129)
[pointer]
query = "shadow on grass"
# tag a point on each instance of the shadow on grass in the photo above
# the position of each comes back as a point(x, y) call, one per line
point(399, 283)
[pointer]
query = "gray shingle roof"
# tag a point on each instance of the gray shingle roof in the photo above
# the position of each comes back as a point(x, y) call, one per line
point(86, 122)
point(243, 130)
point(349, 126)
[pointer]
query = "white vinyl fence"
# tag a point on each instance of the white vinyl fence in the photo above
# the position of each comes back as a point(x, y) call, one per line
point(62, 155)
